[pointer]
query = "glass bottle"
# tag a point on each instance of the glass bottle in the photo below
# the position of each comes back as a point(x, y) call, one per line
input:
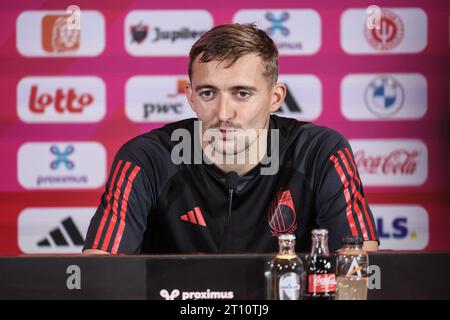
point(321, 278)
point(352, 264)
point(285, 275)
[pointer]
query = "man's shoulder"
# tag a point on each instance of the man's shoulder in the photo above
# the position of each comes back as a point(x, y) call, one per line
point(300, 132)
point(158, 139)
point(322, 134)
point(154, 145)
point(310, 147)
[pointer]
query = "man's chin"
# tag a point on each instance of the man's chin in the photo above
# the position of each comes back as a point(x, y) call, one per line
point(225, 149)
point(221, 153)
point(225, 152)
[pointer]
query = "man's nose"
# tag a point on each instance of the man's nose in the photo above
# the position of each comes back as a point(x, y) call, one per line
point(226, 111)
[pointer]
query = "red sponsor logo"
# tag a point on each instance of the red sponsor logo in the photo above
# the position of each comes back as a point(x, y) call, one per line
point(194, 216)
point(56, 36)
point(389, 35)
point(320, 283)
point(62, 100)
point(281, 214)
point(397, 162)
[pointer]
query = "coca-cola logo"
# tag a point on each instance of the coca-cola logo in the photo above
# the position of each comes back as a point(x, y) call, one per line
point(61, 100)
point(325, 280)
point(397, 162)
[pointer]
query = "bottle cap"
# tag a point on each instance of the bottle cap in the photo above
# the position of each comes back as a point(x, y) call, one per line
point(320, 232)
point(352, 240)
point(286, 236)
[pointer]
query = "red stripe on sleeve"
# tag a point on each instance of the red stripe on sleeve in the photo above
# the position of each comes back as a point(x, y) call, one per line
point(108, 206)
point(362, 200)
point(112, 222)
point(369, 221)
point(351, 220)
point(356, 195)
point(349, 155)
point(123, 210)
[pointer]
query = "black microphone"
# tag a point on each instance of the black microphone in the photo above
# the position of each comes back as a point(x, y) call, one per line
point(231, 183)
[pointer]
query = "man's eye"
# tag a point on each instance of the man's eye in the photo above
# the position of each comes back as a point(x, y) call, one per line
point(243, 94)
point(206, 94)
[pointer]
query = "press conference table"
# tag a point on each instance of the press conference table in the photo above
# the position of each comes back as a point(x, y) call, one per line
point(401, 275)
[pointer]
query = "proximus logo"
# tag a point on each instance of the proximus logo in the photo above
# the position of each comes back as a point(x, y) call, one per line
point(165, 294)
point(196, 295)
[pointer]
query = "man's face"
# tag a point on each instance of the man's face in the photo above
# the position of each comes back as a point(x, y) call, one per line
point(234, 102)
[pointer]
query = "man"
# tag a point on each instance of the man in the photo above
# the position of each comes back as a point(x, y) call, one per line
point(167, 190)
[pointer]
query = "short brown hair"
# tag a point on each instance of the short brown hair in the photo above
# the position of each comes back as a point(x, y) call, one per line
point(232, 41)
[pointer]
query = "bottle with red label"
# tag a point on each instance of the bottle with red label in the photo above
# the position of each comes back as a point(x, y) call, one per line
point(321, 278)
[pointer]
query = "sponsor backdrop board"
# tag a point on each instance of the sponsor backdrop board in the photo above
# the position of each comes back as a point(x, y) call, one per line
point(73, 91)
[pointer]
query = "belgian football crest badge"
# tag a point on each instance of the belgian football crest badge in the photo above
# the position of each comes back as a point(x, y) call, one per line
point(281, 214)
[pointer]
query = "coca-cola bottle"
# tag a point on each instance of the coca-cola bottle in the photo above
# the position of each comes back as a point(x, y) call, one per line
point(321, 278)
point(285, 275)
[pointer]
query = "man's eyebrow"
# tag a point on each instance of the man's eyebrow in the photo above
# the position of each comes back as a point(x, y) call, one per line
point(248, 88)
point(204, 86)
point(234, 88)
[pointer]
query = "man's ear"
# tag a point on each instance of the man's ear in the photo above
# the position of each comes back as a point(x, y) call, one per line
point(278, 95)
point(190, 95)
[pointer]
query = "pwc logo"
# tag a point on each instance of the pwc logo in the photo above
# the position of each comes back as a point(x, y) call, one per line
point(49, 33)
point(53, 230)
point(157, 99)
point(61, 165)
point(391, 162)
point(401, 227)
point(294, 31)
point(303, 97)
point(402, 30)
point(61, 99)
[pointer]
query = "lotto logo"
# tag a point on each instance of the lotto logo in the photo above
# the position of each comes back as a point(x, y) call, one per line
point(61, 99)
point(73, 103)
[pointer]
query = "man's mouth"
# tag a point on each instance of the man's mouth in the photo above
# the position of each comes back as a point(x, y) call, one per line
point(227, 133)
